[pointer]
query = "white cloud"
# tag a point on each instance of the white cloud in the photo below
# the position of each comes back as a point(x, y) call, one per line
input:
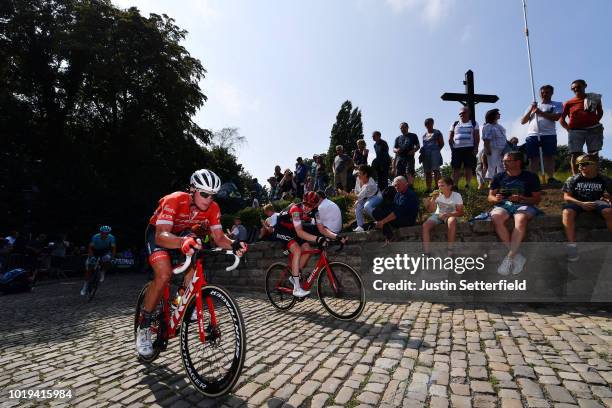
point(432, 11)
point(230, 98)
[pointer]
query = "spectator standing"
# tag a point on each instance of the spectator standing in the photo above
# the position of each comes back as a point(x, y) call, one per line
point(448, 206)
point(278, 175)
point(257, 188)
point(342, 166)
point(313, 167)
point(494, 137)
point(401, 213)
point(481, 170)
point(430, 157)
point(514, 193)
point(274, 189)
point(301, 172)
point(321, 174)
point(287, 183)
point(382, 161)
point(584, 112)
point(360, 157)
point(368, 196)
point(542, 118)
point(405, 146)
point(587, 191)
point(464, 140)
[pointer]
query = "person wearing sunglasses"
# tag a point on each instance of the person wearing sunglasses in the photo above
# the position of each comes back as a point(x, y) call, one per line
point(585, 112)
point(587, 191)
point(169, 231)
point(514, 193)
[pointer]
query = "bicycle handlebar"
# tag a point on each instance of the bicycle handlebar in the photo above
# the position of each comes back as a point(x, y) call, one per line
point(182, 268)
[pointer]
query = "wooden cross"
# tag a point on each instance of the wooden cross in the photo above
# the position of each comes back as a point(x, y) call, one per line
point(469, 98)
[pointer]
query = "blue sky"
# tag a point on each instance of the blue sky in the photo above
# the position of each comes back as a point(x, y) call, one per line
point(279, 70)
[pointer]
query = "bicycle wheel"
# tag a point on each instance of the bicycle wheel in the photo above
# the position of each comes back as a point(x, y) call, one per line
point(92, 285)
point(213, 367)
point(278, 287)
point(156, 326)
point(341, 291)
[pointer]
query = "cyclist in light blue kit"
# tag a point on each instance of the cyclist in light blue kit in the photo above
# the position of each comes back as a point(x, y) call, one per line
point(102, 246)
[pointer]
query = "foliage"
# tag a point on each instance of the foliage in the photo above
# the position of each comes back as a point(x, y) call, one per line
point(346, 131)
point(96, 108)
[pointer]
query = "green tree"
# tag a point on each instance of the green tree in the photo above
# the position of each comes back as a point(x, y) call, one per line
point(96, 111)
point(346, 131)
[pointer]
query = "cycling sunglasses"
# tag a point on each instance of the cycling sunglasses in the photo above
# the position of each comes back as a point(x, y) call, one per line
point(586, 163)
point(206, 195)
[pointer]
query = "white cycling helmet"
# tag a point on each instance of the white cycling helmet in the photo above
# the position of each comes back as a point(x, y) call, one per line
point(206, 181)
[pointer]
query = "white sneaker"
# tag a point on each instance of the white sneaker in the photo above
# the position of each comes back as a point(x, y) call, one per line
point(505, 267)
point(358, 229)
point(518, 264)
point(102, 273)
point(84, 289)
point(297, 288)
point(144, 346)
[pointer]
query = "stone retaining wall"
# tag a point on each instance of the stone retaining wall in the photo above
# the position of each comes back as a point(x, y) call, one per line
point(545, 229)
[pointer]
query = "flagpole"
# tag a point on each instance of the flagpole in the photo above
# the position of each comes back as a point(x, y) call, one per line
point(543, 176)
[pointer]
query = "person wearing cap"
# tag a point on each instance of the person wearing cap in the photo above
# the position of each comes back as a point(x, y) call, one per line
point(494, 137)
point(402, 212)
point(542, 118)
point(405, 146)
point(464, 139)
point(587, 191)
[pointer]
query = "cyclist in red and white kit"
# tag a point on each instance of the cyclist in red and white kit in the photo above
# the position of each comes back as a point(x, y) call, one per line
point(289, 229)
point(177, 213)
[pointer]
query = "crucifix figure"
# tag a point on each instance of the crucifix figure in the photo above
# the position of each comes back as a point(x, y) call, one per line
point(469, 98)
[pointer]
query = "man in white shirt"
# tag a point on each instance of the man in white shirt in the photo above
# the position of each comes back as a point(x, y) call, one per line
point(329, 214)
point(542, 119)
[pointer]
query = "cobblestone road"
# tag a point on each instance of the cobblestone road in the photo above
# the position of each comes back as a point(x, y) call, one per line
point(420, 354)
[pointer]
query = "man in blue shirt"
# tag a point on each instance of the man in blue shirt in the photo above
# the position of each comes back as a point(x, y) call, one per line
point(102, 246)
point(401, 213)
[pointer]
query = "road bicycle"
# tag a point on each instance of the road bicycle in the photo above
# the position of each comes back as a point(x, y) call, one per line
point(339, 286)
point(94, 280)
point(212, 340)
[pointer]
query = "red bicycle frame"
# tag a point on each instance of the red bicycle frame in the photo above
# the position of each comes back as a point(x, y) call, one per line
point(198, 282)
point(321, 263)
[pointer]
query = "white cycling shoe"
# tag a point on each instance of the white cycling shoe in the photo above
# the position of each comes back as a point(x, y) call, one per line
point(84, 289)
point(102, 273)
point(144, 346)
point(297, 288)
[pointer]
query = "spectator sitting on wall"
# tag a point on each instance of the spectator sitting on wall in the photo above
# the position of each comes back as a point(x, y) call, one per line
point(267, 225)
point(401, 213)
point(587, 191)
point(368, 196)
point(515, 193)
point(447, 206)
point(327, 214)
point(238, 231)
